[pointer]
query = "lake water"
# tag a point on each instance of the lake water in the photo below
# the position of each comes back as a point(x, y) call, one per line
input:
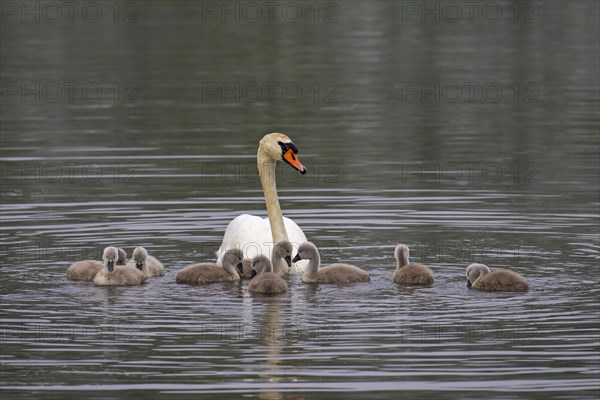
point(470, 137)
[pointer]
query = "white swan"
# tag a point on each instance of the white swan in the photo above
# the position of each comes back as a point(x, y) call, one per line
point(254, 235)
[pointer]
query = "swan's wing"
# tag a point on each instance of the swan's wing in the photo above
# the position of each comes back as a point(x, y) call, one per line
point(295, 234)
point(246, 232)
point(252, 235)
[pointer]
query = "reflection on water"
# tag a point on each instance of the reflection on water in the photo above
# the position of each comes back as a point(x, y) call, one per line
point(391, 158)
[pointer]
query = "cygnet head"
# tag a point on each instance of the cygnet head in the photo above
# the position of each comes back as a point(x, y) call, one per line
point(233, 259)
point(279, 147)
point(261, 264)
point(474, 271)
point(283, 250)
point(306, 251)
point(110, 257)
point(139, 256)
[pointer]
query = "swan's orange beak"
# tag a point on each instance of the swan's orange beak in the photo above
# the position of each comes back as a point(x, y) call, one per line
point(292, 159)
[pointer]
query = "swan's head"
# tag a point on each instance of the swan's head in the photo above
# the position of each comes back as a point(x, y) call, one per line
point(401, 254)
point(233, 259)
point(474, 271)
point(279, 147)
point(110, 257)
point(139, 256)
point(261, 264)
point(306, 251)
point(283, 250)
point(122, 260)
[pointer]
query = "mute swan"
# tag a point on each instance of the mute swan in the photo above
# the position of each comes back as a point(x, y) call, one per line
point(410, 273)
point(120, 275)
point(211, 273)
point(141, 260)
point(264, 280)
point(255, 235)
point(334, 273)
point(479, 277)
point(88, 269)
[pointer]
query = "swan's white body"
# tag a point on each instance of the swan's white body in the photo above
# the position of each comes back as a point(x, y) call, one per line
point(252, 235)
point(255, 235)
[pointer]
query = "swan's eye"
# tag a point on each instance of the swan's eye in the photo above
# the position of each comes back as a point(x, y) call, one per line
point(286, 146)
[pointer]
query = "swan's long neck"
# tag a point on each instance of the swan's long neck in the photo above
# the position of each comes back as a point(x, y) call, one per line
point(266, 169)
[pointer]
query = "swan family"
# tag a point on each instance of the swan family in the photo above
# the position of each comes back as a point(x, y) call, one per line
point(248, 239)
